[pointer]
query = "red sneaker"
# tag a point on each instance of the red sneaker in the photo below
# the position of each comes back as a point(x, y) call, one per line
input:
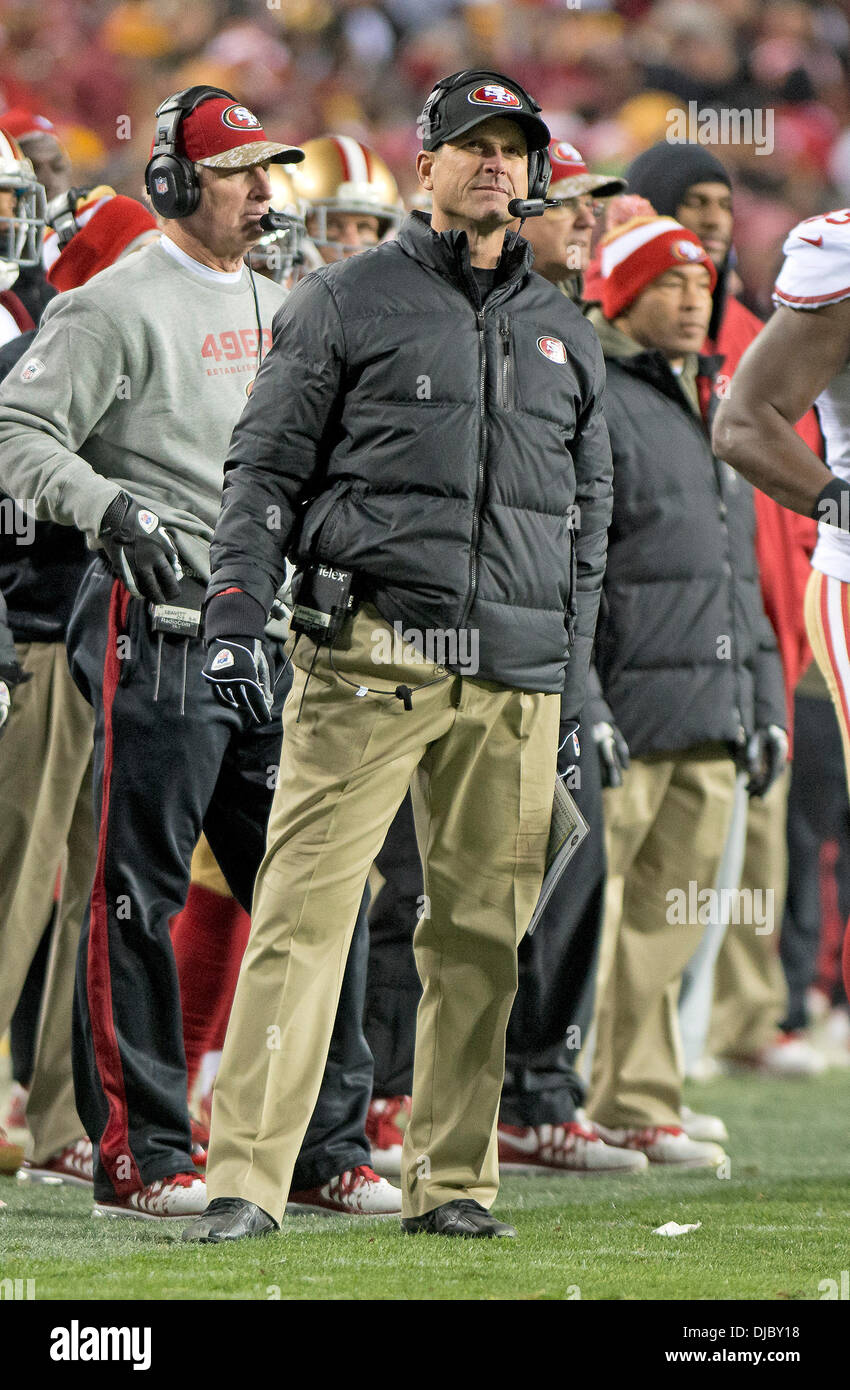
point(73, 1165)
point(169, 1199)
point(385, 1125)
point(359, 1192)
point(568, 1148)
point(668, 1144)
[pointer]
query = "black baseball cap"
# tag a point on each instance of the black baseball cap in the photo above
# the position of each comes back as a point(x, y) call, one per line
point(461, 102)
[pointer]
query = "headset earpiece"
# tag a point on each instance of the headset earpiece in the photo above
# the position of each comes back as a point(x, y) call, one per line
point(539, 173)
point(170, 178)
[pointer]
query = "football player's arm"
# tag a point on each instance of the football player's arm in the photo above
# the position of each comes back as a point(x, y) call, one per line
point(781, 374)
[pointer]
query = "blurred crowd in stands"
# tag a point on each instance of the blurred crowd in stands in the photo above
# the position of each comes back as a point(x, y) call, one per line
point(609, 73)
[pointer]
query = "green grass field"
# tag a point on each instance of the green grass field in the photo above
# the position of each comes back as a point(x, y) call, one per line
point(774, 1229)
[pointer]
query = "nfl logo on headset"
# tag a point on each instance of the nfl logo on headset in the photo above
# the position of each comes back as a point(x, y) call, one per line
point(553, 348)
point(494, 95)
point(160, 184)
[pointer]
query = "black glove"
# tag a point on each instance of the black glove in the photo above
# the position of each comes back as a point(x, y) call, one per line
point(238, 672)
point(613, 753)
point(140, 551)
point(766, 756)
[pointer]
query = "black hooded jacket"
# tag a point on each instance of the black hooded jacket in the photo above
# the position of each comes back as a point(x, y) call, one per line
point(453, 455)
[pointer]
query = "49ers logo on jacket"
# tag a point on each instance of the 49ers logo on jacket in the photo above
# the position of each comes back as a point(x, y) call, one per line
point(240, 118)
point(494, 95)
point(553, 348)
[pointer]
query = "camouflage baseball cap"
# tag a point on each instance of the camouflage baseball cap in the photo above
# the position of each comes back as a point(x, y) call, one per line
point(223, 134)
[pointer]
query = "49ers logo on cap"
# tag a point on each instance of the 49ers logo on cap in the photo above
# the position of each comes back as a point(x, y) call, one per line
point(240, 118)
point(552, 348)
point(566, 154)
point(687, 251)
point(494, 95)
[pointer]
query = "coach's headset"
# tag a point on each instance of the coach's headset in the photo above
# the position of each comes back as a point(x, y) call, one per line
point(170, 178)
point(432, 124)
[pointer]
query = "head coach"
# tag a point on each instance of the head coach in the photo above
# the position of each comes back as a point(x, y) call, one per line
point(428, 423)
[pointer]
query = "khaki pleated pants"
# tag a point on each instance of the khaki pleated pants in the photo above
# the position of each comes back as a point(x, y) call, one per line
point(750, 994)
point(47, 824)
point(665, 828)
point(485, 759)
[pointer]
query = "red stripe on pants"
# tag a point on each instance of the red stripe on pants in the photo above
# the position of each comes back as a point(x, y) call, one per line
point(115, 1152)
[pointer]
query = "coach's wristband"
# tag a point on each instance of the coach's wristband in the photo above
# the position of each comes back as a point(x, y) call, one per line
point(233, 613)
point(833, 504)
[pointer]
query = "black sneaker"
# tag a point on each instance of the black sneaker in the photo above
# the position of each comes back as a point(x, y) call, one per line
point(461, 1218)
point(229, 1218)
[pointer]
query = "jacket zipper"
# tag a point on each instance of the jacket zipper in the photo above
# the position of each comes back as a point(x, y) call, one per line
point(572, 605)
point(506, 392)
point(482, 454)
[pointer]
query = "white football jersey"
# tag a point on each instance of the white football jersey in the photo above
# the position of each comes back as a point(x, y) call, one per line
point(816, 272)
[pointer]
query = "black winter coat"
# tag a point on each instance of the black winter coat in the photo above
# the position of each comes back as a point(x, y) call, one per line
point(684, 650)
point(442, 451)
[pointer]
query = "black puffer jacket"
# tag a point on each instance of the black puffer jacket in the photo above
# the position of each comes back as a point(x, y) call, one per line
point(447, 454)
point(684, 651)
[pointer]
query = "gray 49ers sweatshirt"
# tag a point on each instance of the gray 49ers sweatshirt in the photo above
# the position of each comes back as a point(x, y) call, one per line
point(135, 382)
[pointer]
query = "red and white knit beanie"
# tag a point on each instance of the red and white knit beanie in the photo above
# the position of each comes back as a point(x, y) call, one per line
point(635, 254)
point(108, 225)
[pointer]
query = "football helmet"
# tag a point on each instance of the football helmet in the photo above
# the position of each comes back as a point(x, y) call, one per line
point(339, 174)
point(22, 212)
point(280, 252)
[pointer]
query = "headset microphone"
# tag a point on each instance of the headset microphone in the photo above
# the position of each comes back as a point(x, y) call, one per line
point(272, 221)
point(530, 207)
